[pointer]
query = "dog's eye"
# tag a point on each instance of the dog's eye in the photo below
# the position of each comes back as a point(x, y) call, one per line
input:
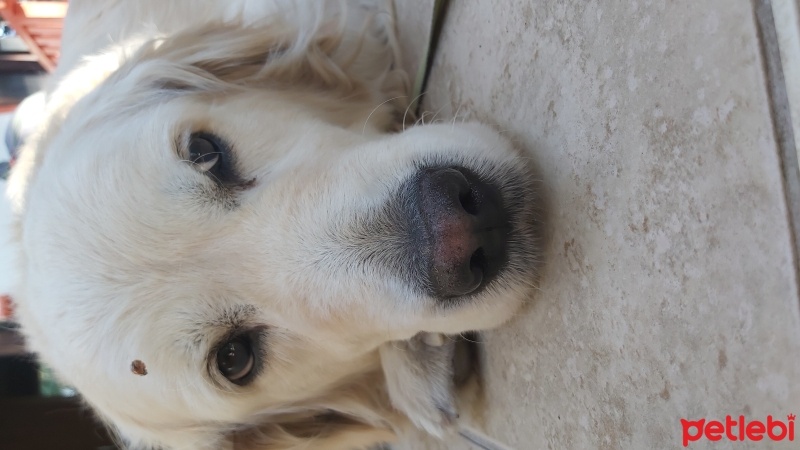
point(236, 360)
point(212, 156)
point(204, 152)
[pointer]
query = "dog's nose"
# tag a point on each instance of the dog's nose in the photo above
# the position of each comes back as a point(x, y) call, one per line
point(464, 227)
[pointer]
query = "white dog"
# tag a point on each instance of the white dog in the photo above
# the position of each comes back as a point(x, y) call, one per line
point(226, 244)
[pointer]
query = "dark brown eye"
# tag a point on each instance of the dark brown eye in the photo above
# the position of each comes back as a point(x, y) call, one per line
point(204, 152)
point(235, 359)
point(212, 156)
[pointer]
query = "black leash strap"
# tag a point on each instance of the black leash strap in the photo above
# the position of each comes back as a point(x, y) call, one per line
point(424, 70)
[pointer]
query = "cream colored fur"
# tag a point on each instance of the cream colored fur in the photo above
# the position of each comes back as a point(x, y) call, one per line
point(125, 257)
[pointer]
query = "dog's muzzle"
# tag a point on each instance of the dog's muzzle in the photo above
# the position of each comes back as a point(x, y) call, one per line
point(461, 228)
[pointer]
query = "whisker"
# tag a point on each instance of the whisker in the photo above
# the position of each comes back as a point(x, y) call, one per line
point(455, 116)
point(467, 339)
point(413, 101)
point(194, 163)
point(436, 114)
point(364, 129)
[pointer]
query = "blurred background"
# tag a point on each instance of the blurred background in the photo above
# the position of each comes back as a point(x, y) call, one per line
point(36, 412)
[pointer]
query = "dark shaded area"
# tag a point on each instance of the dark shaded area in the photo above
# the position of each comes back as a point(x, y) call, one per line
point(30, 420)
point(14, 87)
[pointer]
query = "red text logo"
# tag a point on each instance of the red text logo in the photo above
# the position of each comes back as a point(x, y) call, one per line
point(739, 429)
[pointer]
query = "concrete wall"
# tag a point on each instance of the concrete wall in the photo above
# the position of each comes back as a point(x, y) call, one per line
point(670, 289)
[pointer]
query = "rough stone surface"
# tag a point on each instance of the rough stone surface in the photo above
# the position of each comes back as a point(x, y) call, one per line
point(669, 289)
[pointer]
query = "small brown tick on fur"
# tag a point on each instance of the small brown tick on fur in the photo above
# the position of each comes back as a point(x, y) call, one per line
point(138, 368)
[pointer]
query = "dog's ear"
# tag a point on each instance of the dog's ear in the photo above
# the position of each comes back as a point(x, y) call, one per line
point(324, 432)
point(341, 53)
point(353, 416)
point(319, 430)
point(223, 56)
point(325, 54)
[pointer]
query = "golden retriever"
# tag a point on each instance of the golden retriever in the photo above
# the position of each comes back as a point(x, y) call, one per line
point(227, 240)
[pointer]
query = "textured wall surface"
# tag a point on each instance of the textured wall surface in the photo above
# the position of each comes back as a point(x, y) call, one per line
point(670, 286)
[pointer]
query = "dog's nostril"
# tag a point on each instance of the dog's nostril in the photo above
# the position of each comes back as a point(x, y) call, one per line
point(469, 202)
point(478, 260)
